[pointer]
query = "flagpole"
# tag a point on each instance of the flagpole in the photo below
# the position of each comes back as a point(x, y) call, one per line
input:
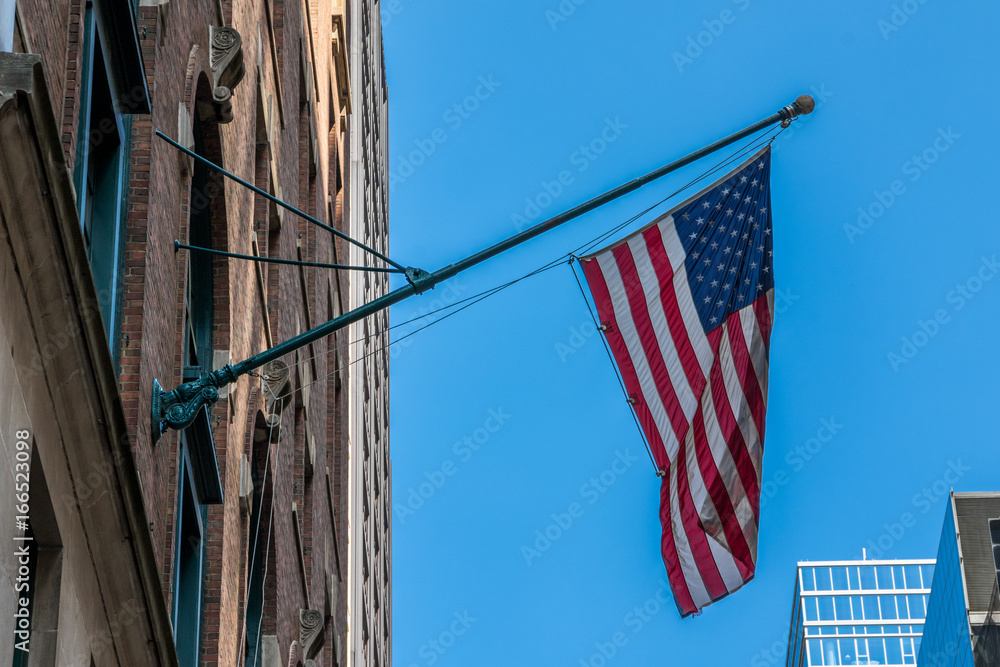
point(177, 409)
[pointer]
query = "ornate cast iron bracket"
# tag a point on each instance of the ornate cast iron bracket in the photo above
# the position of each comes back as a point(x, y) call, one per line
point(177, 409)
point(225, 57)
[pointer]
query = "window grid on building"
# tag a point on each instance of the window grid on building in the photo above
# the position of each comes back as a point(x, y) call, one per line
point(859, 613)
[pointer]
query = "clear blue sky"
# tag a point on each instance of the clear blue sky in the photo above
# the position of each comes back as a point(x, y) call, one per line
point(546, 420)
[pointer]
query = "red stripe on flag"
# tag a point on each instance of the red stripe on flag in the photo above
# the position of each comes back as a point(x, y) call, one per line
point(764, 321)
point(678, 584)
point(719, 494)
point(734, 437)
point(678, 330)
point(647, 337)
point(745, 370)
point(695, 530)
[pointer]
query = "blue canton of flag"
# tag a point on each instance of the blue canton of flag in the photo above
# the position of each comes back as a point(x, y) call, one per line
point(726, 233)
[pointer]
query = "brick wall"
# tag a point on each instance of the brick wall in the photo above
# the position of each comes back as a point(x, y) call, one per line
point(174, 42)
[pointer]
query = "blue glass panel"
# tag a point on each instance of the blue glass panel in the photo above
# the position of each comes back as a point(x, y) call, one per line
point(830, 652)
point(815, 652)
point(848, 655)
point(912, 573)
point(887, 603)
point(808, 583)
point(908, 655)
point(842, 605)
point(867, 573)
point(901, 607)
point(876, 651)
point(823, 579)
point(855, 581)
point(856, 607)
point(810, 606)
point(840, 578)
point(927, 572)
point(871, 607)
point(826, 608)
point(828, 630)
point(893, 651)
point(884, 577)
point(916, 605)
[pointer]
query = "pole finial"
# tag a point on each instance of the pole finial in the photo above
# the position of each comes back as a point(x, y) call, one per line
point(805, 103)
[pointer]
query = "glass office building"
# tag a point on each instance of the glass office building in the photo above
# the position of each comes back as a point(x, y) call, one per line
point(963, 610)
point(868, 612)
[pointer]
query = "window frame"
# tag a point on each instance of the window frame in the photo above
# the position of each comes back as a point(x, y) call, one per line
point(111, 252)
point(187, 491)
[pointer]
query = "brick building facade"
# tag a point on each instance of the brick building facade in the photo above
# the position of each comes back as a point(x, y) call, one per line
point(258, 535)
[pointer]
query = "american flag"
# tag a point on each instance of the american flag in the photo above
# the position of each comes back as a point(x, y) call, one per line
point(687, 305)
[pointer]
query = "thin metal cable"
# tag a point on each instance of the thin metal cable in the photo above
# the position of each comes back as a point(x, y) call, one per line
point(751, 146)
point(737, 155)
point(484, 296)
point(614, 367)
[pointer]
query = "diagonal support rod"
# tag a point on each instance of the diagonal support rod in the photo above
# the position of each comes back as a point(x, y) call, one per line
point(284, 205)
point(276, 260)
point(177, 409)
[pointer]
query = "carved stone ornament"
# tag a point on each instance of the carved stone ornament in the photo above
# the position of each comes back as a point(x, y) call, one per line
point(225, 55)
point(310, 632)
point(275, 383)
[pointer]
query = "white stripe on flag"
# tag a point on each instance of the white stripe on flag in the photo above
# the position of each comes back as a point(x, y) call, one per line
point(730, 575)
point(724, 461)
point(709, 514)
point(626, 326)
point(743, 415)
point(689, 566)
point(689, 313)
point(755, 345)
point(658, 318)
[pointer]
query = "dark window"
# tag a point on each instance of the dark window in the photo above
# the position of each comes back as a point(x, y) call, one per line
point(188, 563)
point(259, 539)
point(200, 299)
point(98, 175)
